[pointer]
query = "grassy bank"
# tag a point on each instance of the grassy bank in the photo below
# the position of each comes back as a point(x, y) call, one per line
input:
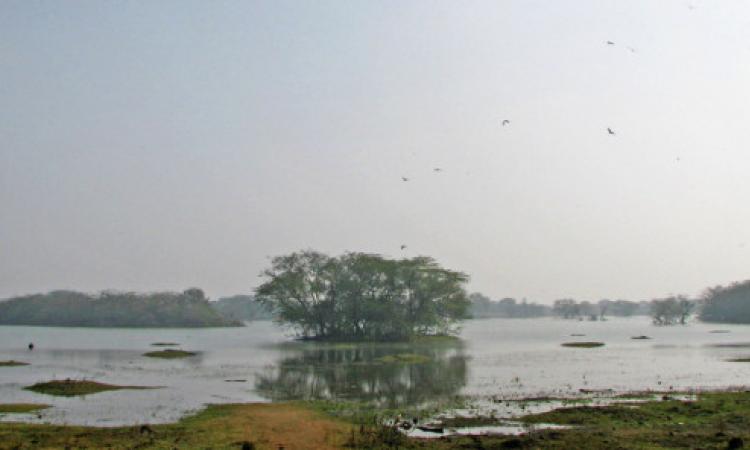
point(72, 388)
point(20, 408)
point(265, 426)
point(710, 421)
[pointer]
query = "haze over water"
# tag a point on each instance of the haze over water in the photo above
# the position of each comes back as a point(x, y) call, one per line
point(161, 145)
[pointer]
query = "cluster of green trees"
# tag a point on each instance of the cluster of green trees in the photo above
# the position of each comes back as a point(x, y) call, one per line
point(730, 304)
point(189, 308)
point(483, 307)
point(360, 296)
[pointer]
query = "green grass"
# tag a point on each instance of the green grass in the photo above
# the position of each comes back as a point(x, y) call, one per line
point(170, 354)
point(11, 363)
point(21, 408)
point(72, 388)
point(403, 358)
point(707, 422)
point(583, 344)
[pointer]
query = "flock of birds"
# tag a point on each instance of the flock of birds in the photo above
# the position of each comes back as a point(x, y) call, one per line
point(506, 122)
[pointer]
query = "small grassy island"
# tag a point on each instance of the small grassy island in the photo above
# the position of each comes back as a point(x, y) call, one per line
point(583, 344)
point(72, 388)
point(21, 408)
point(170, 354)
point(12, 363)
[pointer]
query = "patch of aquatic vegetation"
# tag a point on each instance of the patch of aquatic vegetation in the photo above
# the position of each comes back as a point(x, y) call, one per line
point(21, 408)
point(165, 344)
point(72, 388)
point(170, 354)
point(403, 358)
point(583, 344)
point(12, 363)
point(731, 345)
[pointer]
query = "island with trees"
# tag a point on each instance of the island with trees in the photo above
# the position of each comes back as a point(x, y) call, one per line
point(189, 308)
point(363, 297)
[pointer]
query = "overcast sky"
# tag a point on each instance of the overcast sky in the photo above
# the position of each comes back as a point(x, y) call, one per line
point(152, 145)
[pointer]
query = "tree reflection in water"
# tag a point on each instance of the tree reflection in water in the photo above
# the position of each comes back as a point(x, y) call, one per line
point(358, 372)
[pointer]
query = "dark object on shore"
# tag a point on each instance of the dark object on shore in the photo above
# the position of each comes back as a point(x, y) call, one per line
point(248, 446)
point(31, 346)
point(145, 429)
point(735, 443)
point(405, 425)
point(641, 337)
point(430, 429)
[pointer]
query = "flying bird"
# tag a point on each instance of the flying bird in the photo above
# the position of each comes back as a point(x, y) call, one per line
point(404, 179)
point(609, 130)
point(610, 43)
point(437, 169)
point(506, 122)
point(403, 246)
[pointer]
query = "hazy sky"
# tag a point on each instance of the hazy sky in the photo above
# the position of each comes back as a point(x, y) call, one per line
point(165, 144)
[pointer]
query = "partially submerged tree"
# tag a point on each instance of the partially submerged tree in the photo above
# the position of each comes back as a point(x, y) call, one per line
point(671, 310)
point(360, 296)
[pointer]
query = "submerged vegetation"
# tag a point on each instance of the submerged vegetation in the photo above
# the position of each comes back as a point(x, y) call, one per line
point(189, 308)
point(72, 388)
point(170, 354)
point(363, 297)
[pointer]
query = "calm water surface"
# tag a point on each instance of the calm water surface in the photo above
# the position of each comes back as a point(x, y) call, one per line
point(499, 357)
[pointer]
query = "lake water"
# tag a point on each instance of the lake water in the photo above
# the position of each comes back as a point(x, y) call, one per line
point(500, 358)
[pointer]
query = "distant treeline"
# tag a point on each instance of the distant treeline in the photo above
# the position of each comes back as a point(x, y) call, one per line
point(243, 308)
point(729, 304)
point(189, 308)
point(482, 307)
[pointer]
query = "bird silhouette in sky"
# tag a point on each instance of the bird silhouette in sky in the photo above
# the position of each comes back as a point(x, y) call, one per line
point(404, 179)
point(610, 43)
point(437, 169)
point(506, 122)
point(403, 247)
point(609, 130)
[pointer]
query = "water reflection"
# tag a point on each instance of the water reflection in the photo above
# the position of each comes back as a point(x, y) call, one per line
point(366, 373)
